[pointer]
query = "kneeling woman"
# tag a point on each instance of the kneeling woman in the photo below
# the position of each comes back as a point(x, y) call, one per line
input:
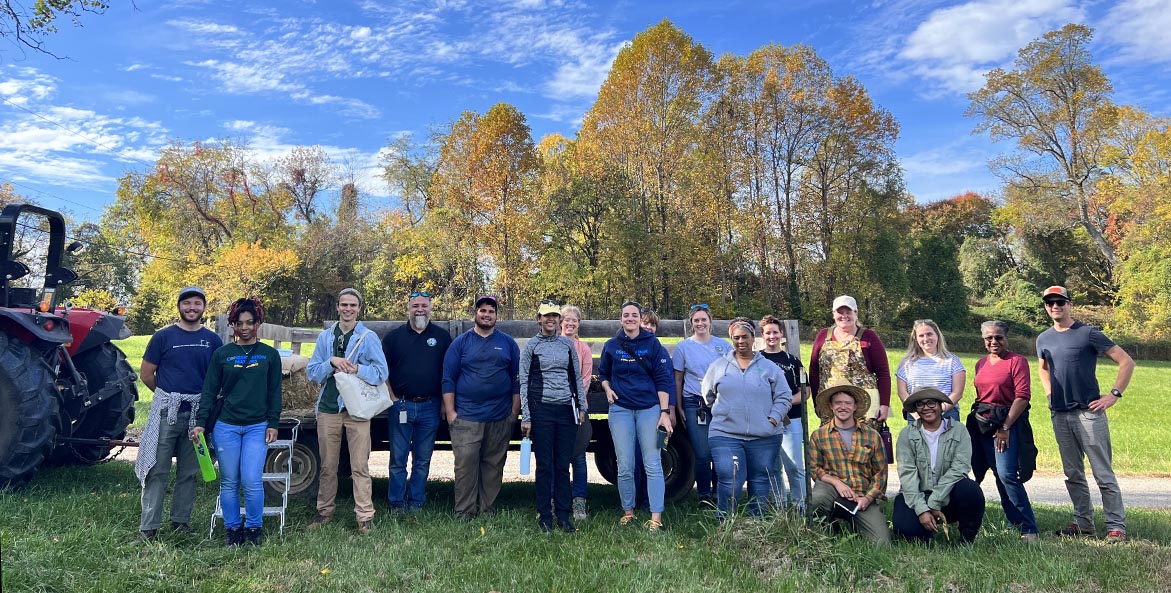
point(244, 378)
point(749, 399)
point(934, 456)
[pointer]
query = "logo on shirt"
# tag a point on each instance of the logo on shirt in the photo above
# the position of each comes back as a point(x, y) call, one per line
point(719, 348)
point(201, 344)
point(431, 342)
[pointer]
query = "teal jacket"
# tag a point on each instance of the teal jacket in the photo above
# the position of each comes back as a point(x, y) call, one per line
point(953, 458)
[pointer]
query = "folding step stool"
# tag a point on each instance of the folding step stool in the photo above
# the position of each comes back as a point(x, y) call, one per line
point(283, 477)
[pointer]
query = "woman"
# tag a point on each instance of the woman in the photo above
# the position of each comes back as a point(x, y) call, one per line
point(999, 424)
point(691, 360)
point(749, 398)
point(847, 353)
point(637, 381)
point(791, 457)
point(929, 364)
point(246, 376)
point(570, 323)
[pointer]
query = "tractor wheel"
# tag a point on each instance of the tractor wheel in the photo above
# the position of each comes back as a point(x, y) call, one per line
point(28, 411)
point(109, 418)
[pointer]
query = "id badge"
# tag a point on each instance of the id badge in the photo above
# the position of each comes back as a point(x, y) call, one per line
point(402, 416)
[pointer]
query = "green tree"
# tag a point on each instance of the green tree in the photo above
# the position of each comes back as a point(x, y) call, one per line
point(27, 27)
point(937, 288)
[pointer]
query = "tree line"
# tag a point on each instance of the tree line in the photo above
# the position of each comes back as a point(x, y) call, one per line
point(754, 183)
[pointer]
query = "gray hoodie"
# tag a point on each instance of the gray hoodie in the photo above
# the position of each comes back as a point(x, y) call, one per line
point(548, 373)
point(742, 401)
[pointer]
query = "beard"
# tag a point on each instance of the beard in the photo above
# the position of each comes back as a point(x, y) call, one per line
point(485, 325)
point(419, 322)
point(190, 316)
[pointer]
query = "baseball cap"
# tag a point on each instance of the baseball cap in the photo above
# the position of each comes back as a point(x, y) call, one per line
point(487, 298)
point(845, 301)
point(190, 291)
point(1056, 291)
point(548, 308)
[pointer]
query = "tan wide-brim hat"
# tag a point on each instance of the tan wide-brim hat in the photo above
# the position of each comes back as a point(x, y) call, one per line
point(924, 393)
point(825, 412)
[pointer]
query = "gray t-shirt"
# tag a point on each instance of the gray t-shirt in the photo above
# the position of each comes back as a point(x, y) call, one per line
point(1072, 357)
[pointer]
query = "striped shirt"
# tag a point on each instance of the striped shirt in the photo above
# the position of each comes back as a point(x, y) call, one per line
point(862, 468)
point(930, 371)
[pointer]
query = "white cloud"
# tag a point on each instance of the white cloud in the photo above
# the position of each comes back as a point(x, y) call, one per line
point(133, 67)
point(204, 27)
point(21, 85)
point(954, 46)
point(167, 77)
point(1139, 28)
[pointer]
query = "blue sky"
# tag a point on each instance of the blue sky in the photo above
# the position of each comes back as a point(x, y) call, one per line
point(351, 75)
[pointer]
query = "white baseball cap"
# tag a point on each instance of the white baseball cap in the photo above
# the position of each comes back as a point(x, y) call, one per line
point(845, 301)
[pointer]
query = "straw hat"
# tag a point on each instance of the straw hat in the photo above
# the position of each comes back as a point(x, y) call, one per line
point(821, 402)
point(924, 393)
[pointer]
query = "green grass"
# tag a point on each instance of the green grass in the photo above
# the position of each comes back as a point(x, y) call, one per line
point(72, 531)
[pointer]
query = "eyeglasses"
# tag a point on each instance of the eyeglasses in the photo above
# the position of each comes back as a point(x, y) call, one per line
point(700, 306)
point(421, 294)
point(926, 403)
point(997, 338)
point(1056, 303)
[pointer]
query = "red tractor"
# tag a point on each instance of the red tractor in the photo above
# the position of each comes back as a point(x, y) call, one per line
point(65, 390)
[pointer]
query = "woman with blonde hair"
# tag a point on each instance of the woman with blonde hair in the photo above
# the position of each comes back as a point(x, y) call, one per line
point(928, 363)
point(570, 324)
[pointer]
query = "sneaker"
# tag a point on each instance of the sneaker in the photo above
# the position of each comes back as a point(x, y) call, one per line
point(1115, 536)
point(1030, 538)
point(146, 535)
point(579, 509)
point(319, 521)
point(567, 526)
point(253, 536)
point(365, 527)
point(178, 527)
point(1074, 530)
point(233, 537)
point(546, 524)
point(652, 525)
point(626, 519)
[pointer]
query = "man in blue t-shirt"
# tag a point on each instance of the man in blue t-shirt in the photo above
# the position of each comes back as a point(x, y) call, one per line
point(173, 367)
point(1069, 354)
point(481, 400)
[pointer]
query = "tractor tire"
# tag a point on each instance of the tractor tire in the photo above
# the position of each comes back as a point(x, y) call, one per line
point(107, 419)
point(28, 412)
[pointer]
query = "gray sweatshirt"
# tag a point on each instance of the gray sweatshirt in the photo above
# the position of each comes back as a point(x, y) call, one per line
point(549, 373)
point(743, 401)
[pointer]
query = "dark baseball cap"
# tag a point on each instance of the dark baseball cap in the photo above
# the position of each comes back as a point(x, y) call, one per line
point(190, 291)
point(1056, 291)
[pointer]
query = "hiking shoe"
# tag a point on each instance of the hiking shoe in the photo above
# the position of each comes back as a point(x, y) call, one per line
point(626, 519)
point(567, 526)
point(579, 509)
point(319, 521)
point(1030, 538)
point(233, 537)
point(365, 527)
point(652, 525)
point(252, 536)
point(146, 535)
point(1074, 530)
point(1115, 536)
point(546, 524)
point(178, 527)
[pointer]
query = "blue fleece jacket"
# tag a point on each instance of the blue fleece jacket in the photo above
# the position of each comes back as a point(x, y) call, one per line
point(637, 383)
point(483, 375)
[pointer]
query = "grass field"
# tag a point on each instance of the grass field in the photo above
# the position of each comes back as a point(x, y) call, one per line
point(1137, 422)
point(67, 534)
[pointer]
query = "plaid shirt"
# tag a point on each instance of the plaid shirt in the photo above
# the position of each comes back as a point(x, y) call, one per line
point(862, 468)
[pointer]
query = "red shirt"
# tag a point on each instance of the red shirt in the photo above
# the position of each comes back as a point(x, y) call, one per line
point(1003, 382)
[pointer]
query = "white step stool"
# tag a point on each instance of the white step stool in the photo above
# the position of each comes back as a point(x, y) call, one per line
point(279, 445)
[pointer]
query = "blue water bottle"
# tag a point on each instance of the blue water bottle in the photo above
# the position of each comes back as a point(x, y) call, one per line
point(526, 451)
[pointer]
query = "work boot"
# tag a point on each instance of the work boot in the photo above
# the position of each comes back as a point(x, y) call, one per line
point(364, 527)
point(319, 521)
point(147, 535)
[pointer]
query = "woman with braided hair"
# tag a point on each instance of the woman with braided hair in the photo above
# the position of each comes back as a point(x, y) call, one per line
point(241, 401)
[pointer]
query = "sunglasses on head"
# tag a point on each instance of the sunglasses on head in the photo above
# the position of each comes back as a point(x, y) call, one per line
point(487, 297)
point(700, 306)
point(550, 302)
point(1056, 303)
point(420, 294)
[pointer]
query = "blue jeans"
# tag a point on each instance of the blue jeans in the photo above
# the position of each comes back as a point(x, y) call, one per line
point(635, 430)
point(791, 462)
point(580, 477)
point(241, 451)
point(756, 460)
point(1013, 497)
point(697, 434)
point(416, 437)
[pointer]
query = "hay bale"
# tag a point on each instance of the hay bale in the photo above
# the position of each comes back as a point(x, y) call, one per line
point(298, 392)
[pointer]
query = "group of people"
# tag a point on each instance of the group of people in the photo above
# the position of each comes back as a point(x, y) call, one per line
point(740, 407)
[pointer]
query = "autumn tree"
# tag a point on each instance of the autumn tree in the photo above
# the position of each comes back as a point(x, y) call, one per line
point(28, 27)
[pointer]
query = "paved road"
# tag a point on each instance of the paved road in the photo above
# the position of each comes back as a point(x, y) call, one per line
point(1043, 488)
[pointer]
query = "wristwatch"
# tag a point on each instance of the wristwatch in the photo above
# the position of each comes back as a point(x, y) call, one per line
point(1116, 393)
point(664, 410)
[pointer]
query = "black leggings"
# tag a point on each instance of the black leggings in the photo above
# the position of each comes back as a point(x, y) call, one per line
point(965, 508)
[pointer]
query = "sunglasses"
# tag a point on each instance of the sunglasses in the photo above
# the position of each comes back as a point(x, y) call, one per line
point(993, 338)
point(550, 302)
point(1056, 303)
point(700, 306)
point(421, 294)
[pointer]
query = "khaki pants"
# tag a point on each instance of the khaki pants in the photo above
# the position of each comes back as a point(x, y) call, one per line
point(480, 450)
point(870, 524)
point(329, 446)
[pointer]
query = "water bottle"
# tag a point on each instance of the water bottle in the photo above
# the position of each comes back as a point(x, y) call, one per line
point(526, 452)
point(206, 467)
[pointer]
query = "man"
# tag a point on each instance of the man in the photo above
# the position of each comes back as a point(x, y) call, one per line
point(935, 455)
point(481, 400)
point(1069, 357)
point(414, 351)
point(552, 407)
point(848, 463)
point(173, 367)
point(347, 347)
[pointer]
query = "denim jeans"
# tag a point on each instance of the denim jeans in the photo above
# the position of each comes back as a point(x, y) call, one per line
point(241, 451)
point(697, 434)
point(580, 476)
point(416, 437)
point(1013, 497)
point(791, 463)
point(740, 460)
point(634, 430)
